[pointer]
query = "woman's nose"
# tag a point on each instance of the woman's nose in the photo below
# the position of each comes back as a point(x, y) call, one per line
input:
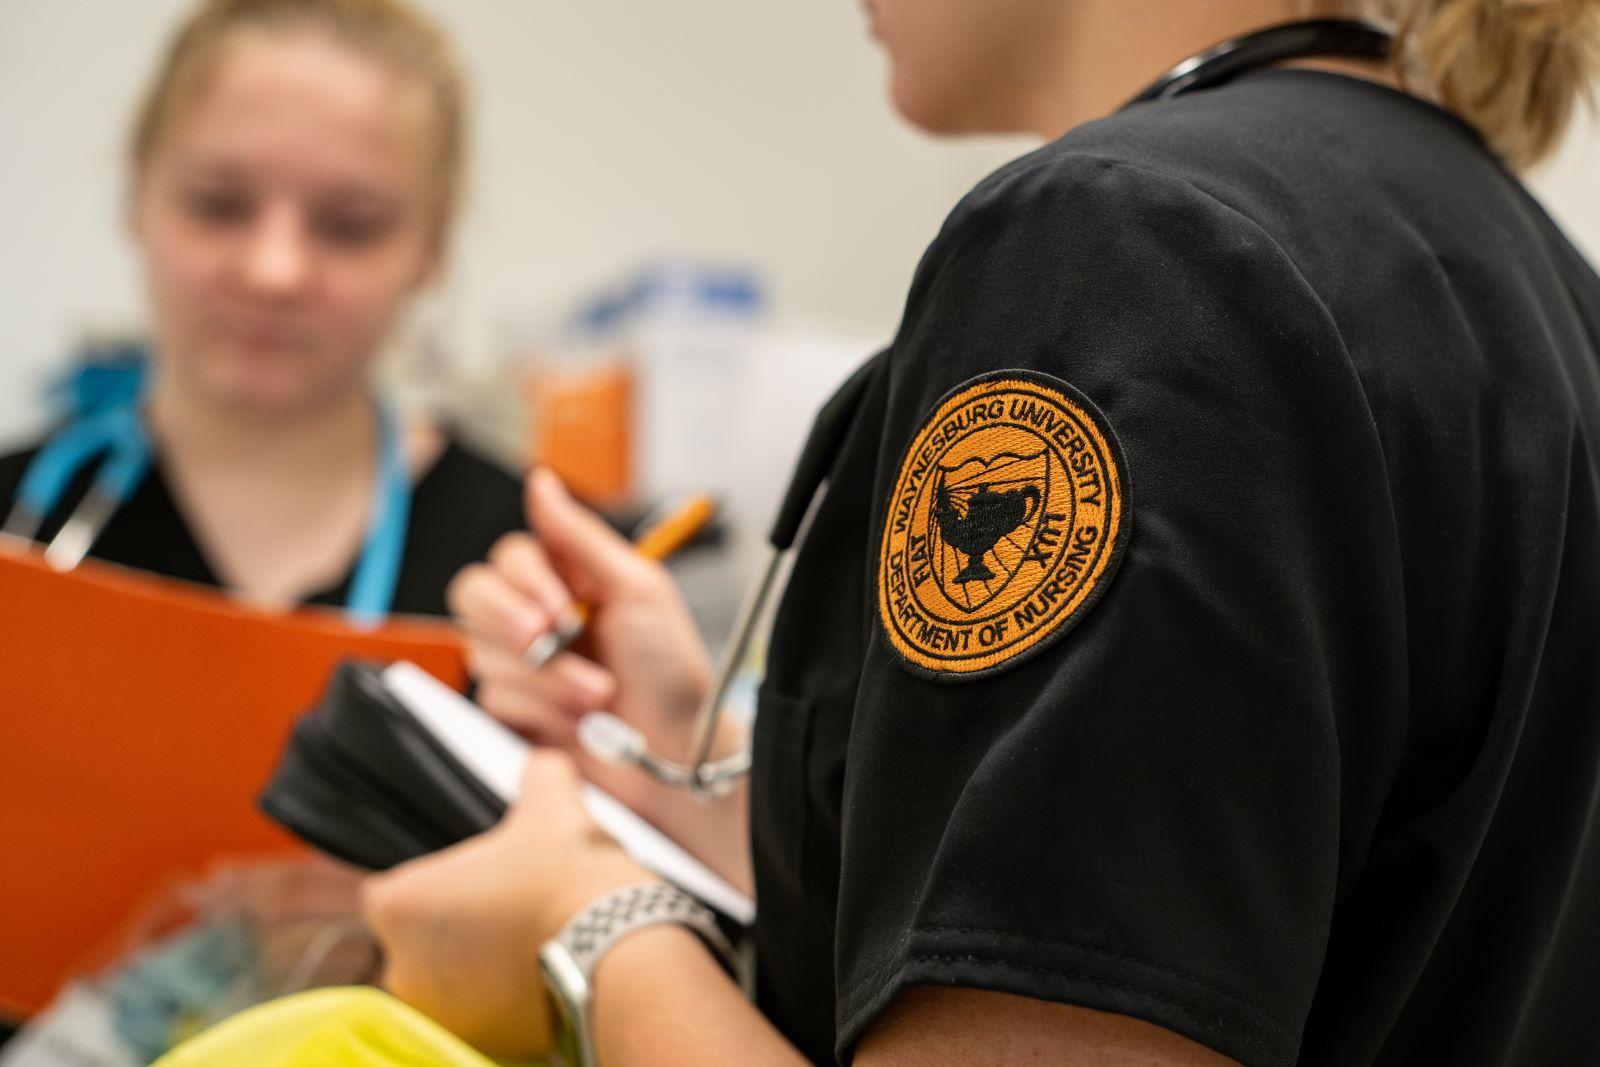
point(278, 257)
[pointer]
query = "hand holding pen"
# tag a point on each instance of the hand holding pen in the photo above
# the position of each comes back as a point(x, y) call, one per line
point(642, 656)
point(661, 536)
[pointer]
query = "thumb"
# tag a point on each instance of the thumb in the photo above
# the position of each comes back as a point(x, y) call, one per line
point(594, 559)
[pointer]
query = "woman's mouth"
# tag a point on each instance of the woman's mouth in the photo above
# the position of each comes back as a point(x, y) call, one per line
point(266, 337)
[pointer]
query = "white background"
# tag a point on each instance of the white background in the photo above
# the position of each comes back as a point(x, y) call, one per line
point(608, 132)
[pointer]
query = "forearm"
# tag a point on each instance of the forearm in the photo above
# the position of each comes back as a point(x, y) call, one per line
point(715, 832)
point(662, 1001)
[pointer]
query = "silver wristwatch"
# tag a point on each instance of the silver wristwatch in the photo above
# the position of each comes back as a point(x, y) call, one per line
point(567, 962)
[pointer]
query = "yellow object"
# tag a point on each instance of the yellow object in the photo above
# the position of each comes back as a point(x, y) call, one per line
point(677, 528)
point(342, 1027)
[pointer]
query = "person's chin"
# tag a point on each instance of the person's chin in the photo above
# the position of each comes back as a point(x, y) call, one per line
point(261, 388)
point(931, 112)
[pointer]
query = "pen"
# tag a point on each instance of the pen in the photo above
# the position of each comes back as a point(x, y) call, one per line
point(676, 528)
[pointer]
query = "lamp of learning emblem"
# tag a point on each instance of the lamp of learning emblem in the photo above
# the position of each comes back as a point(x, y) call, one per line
point(982, 522)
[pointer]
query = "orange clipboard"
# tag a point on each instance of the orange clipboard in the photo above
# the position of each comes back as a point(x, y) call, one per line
point(140, 719)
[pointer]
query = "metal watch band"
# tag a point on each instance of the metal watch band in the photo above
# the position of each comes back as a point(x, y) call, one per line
point(605, 922)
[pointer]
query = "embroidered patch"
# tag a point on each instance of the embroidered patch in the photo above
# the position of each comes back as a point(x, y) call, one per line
point(1008, 519)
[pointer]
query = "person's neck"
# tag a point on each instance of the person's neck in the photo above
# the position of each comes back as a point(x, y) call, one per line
point(329, 442)
point(1108, 54)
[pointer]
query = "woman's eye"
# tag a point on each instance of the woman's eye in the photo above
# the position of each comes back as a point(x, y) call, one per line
point(351, 230)
point(218, 207)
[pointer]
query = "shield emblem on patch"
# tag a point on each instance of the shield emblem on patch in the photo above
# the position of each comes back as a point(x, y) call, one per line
point(982, 521)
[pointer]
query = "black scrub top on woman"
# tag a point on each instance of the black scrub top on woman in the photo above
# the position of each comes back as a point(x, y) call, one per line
point(460, 506)
point(1202, 623)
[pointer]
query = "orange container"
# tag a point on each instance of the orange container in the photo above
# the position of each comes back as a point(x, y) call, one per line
point(581, 426)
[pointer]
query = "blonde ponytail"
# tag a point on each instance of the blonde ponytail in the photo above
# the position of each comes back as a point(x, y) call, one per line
point(1515, 69)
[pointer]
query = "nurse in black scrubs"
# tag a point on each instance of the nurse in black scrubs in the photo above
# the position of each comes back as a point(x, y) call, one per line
point(293, 173)
point(1191, 659)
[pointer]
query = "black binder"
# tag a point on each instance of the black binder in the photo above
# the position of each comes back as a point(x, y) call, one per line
point(363, 781)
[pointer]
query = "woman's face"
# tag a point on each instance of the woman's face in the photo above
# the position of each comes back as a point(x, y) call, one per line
point(285, 217)
point(956, 66)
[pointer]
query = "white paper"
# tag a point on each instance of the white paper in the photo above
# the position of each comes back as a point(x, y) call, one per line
point(497, 756)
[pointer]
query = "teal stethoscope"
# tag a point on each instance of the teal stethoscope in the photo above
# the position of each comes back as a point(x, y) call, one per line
point(116, 431)
point(609, 738)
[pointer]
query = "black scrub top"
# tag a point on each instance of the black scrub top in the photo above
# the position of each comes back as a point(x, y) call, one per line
point(1202, 623)
point(460, 506)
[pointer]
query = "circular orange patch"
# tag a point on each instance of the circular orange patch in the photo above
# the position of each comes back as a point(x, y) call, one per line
point(1007, 520)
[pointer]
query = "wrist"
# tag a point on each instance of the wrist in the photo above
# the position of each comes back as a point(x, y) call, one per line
point(665, 946)
point(618, 922)
point(623, 996)
point(607, 871)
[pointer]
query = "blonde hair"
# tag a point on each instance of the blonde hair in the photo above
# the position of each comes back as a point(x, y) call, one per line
point(1515, 69)
point(389, 31)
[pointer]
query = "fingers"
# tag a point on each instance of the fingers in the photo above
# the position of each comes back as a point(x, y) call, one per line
point(569, 682)
point(596, 560)
point(519, 559)
point(548, 773)
point(504, 605)
point(510, 600)
point(545, 704)
point(550, 791)
point(388, 904)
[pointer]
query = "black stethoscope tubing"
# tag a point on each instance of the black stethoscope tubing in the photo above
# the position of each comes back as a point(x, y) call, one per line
point(1342, 38)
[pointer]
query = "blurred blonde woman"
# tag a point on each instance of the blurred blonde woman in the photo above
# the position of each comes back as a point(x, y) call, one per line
point(293, 174)
point(294, 171)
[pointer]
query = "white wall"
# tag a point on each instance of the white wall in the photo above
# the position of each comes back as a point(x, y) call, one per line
point(608, 131)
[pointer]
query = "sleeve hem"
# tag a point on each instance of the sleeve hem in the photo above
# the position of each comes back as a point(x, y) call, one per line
point(1196, 1010)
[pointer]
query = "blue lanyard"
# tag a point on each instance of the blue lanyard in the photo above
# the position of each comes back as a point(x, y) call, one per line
point(372, 587)
point(119, 433)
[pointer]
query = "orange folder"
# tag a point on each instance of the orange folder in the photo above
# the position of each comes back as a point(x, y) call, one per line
point(138, 720)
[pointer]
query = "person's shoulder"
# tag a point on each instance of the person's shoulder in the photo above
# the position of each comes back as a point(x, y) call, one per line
point(1166, 187)
point(1123, 180)
point(1279, 153)
point(1127, 249)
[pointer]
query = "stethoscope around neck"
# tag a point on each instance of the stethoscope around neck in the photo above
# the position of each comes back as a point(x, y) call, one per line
point(117, 433)
point(609, 738)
